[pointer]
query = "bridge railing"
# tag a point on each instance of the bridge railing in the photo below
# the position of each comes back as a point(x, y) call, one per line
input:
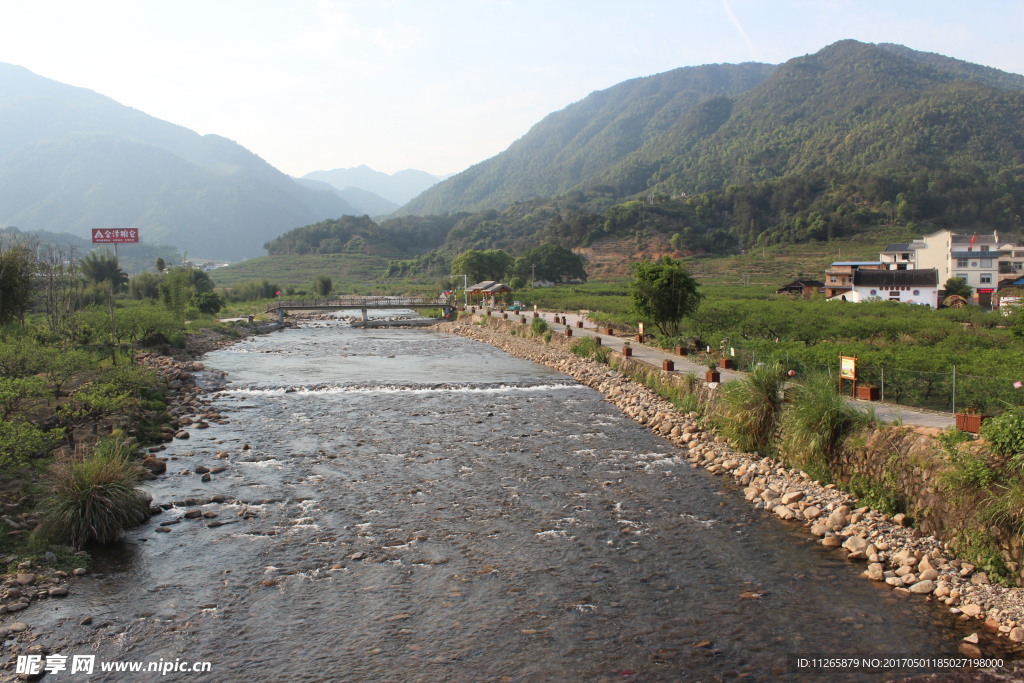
point(360, 302)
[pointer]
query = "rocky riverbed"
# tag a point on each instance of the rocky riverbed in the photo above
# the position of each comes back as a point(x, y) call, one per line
point(910, 563)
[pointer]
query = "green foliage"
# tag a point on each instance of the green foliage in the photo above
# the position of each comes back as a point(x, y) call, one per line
point(145, 286)
point(875, 495)
point(968, 473)
point(252, 290)
point(586, 347)
point(479, 266)
point(816, 423)
point(95, 499)
point(179, 285)
point(103, 266)
point(322, 285)
point(207, 303)
point(982, 550)
point(1005, 434)
point(17, 269)
point(23, 442)
point(750, 408)
point(664, 293)
point(539, 326)
point(958, 286)
point(548, 262)
point(16, 393)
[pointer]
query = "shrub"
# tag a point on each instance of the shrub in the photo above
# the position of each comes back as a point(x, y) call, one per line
point(815, 424)
point(539, 326)
point(95, 499)
point(1005, 434)
point(750, 408)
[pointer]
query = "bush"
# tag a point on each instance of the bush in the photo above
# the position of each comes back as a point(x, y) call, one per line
point(95, 499)
point(539, 326)
point(815, 424)
point(1005, 434)
point(750, 408)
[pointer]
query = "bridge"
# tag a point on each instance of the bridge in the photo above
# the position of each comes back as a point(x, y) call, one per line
point(363, 303)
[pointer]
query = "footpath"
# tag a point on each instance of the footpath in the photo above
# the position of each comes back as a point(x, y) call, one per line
point(886, 412)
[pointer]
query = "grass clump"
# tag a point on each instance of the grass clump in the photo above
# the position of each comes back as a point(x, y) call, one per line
point(815, 424)
point(96, 498)
point(539, 326)
point(750, 408)
point(587, 347)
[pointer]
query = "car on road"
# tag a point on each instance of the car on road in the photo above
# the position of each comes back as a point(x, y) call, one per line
point(517, 306)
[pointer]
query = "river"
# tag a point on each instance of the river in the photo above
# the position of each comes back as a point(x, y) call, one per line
point(407, 505)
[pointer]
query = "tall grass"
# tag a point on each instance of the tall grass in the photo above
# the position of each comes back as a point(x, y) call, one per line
point(96, 498)
point(750, 408)
point(813, 427)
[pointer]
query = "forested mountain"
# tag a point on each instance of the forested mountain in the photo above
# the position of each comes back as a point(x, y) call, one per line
point(586, 138)
point(72, 159)
point(829, 144)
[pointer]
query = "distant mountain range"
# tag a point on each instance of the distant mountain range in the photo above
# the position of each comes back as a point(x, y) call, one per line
point(709, 158)
point(395, 189)
point(72, 159)
point(721, 158)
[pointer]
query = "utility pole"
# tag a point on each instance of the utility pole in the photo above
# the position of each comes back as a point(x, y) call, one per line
point(465, 295)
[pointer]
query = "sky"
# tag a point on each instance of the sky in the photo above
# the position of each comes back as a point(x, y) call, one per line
point(439, 85)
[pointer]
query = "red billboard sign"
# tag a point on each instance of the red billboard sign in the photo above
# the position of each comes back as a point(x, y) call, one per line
point(115, 236)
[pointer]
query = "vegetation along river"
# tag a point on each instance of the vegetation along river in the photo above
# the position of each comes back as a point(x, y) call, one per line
point(407, 505)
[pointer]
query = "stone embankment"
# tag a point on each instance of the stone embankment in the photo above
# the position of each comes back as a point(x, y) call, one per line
point(900, 556)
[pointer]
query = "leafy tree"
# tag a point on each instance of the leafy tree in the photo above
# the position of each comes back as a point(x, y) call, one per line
point(552, 263)
point(145, 286)
point(957, 285)
point(323, 285)
point(17, 269)
point(664, 293)
point(103, 266)
point(207, 303)
point(179, 284)
point(478, 266)
point(160, 264)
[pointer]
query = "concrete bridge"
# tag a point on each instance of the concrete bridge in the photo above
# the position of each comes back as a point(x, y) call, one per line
point(362, 303)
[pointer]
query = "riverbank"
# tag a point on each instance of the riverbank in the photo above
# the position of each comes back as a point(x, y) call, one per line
point(911, 563)
point(188, 408)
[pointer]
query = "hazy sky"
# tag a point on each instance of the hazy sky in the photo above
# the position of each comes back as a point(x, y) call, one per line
point(439, 85)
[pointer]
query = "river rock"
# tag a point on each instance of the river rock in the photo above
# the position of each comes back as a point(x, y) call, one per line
point(875, 571)
point(791, 497)
point(922, 587)
point(25, 579)
point(784, 512)
point(972, 610)
point(832, 541)
point(155, 465)
point(855, 544)
point(58, 592)
point(839, 517)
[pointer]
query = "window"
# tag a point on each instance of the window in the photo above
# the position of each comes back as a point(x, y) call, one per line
point(831, 278)
point(961, 263)
point(986, 263)
point(986, 279)
point(962, 276)
point(894, 295)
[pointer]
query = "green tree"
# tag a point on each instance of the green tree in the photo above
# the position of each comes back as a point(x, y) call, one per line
point(103, 266)
point(323, 285)
point(478, 266)
point(957, 285)
point(207, 303)
point(17, 269)
point(664, 293)
point(552, 263)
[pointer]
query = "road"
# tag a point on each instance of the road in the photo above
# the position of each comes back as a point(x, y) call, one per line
point(886, 412)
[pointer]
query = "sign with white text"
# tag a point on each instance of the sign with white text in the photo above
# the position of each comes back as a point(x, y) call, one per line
point(115, 236)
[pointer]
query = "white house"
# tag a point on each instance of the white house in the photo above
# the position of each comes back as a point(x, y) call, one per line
point(906, 286)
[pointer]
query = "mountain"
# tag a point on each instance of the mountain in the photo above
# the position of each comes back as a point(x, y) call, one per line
point(72, 159)
point(363, 201)
point(398, 188)
point(586, 138)
point(852, 138)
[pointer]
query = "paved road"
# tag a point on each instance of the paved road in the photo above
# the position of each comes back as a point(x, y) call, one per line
point(650, 354)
